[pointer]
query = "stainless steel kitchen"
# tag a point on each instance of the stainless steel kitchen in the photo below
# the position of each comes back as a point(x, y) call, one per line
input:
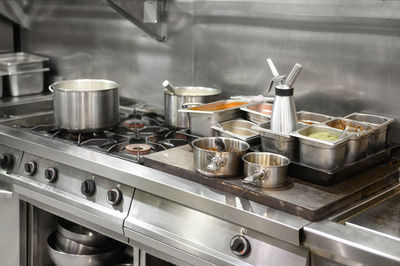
point(199, 132)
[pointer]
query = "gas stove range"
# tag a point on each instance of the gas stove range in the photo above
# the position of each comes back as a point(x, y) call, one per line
point(98, 181)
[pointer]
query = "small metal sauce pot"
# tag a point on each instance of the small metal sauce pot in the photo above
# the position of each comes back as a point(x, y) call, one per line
point(265, 169)
point(211, 162)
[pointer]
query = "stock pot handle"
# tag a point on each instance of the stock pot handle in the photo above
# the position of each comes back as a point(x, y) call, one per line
point(254, 177)
point(51, 89)
point(216, 163)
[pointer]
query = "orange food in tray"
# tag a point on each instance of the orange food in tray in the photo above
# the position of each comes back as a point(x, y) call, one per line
point(218, 106)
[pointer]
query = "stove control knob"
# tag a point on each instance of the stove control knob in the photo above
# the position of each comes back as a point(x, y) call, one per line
point(6, 161)
point(88, 187)
point(240, 246)
point(51, 174)
point(30, 168)
point(114, 196)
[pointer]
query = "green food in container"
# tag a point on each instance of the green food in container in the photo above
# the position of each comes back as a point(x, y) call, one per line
point(324, 136)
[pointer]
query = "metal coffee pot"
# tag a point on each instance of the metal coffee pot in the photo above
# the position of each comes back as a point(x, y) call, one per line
point(284, 115)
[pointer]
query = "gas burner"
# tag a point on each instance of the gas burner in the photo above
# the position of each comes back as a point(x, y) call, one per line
point(134, 149)
point(134, 123)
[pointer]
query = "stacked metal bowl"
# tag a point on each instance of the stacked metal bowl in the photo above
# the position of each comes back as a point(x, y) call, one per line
point(73, 244)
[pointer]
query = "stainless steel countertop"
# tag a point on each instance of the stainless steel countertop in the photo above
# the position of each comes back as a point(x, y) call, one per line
point(241, 211)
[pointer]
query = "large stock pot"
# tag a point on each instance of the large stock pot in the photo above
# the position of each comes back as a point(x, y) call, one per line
point(85, 105)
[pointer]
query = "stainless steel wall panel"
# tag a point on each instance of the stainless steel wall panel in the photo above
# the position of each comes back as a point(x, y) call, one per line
point(88, 39)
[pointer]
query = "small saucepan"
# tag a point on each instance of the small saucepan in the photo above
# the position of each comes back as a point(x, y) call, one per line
point(219, 157)
point(265, 169)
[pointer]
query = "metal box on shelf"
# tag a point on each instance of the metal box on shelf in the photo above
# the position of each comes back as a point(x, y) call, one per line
point(310, 118)
point(12, 63)
point(239, 129)
point(359, 134)
point(258, 113)
point(379, 126)
point(25, 83)
point(320, 153)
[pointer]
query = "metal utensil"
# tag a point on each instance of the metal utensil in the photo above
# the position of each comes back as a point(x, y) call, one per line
point(343, 132)
point(166, 84)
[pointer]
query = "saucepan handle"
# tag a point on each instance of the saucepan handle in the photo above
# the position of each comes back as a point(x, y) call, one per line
point(257, 175)
point(216, 163)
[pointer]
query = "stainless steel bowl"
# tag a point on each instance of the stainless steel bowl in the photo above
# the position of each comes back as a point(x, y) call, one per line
point(71, 247)
point(265, 169)
point(81, 235)
point(61, 258)
point(210, 162)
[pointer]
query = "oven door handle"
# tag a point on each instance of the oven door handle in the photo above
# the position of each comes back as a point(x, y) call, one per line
point(5, 194)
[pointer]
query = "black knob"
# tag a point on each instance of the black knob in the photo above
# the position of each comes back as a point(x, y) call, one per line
point(239, 245)
point(51, 174)
point(88, 187)
point(114, 196)
point(6, 161)
point(30, 168)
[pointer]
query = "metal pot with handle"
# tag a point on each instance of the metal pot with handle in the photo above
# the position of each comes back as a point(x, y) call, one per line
point(85, 105)
point(265, 169)
point(177, 98)
point(219, 157)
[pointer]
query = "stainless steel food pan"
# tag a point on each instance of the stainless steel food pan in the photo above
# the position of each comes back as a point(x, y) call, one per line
point(201, 121)
point(259, 113)
point(13, 63)
point(25, 83)
point(359, 134)
point(319, 153)
point(309, 118)
point(2, 81)
point(379, 129)
point(239, 129)
point(277, 142)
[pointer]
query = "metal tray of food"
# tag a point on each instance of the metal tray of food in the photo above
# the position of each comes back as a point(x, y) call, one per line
point(259, 113)
point(278, 142)
point(316, 150)
point(239, 129)
point(310, 118)
point(13, 63)
point(203, 117)
point(359, 134)
point(379, 126)
point(326, 177)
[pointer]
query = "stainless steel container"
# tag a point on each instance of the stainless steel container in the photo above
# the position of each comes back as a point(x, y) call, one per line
point(203, 117)
point(279, 143)
point(310, 118)
point(187, 97)
point(69, 246)
point(81, 234)
point(210, 162)
point(238, 129)
point(13, 63)
point(357, 146)
point(25, 82)
point(259, 113)
point(319, 153)
point(265, 169)
point(85, 105)
point(61, 258)
point(379, 126)
point(2, 80)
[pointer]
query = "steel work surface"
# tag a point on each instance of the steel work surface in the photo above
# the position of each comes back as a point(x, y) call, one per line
point(382, 218)
point(306, 200)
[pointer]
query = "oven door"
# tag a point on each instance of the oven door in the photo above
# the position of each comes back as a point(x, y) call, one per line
point(13, 227)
